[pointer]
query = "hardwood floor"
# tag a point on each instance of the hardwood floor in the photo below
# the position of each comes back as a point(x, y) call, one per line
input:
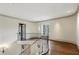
point(62, 48)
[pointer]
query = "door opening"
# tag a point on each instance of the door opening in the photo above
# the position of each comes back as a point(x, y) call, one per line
point(22, 31)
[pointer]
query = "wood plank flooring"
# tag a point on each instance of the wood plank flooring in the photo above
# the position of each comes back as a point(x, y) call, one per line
point(62, 48)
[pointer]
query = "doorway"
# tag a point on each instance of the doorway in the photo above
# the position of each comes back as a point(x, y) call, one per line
point(22, 31)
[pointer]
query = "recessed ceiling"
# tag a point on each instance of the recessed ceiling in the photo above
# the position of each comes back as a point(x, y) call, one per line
point(37, 11)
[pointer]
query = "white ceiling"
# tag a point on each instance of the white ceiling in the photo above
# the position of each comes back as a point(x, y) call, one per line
point(37, 11)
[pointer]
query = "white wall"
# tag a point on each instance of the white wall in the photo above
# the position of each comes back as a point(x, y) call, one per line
point(9, 29)
point(78, 30)
point(63, 29)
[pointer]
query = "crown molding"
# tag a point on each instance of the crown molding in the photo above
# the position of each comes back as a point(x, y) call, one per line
point(15, 18)
point(43, 20)
point(75, 13)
